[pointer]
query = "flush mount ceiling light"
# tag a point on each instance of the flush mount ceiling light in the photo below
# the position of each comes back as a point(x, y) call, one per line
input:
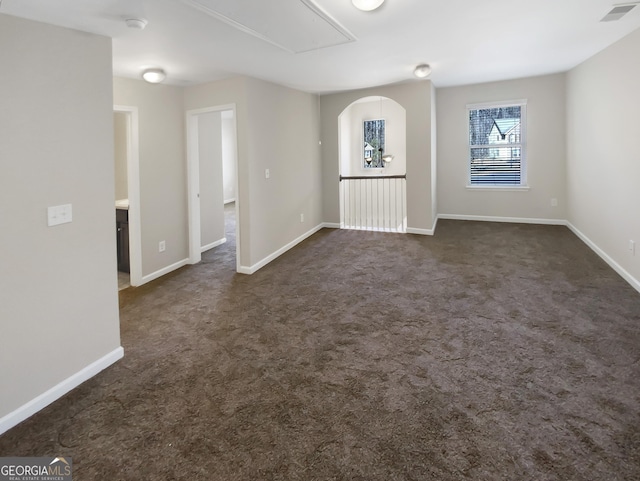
point(422, 71)
point(136, 23)
point(367, 5)
point(154, 75)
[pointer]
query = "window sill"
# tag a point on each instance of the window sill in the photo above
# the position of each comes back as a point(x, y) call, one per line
point(503, 188)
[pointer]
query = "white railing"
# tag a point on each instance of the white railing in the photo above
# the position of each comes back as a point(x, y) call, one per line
point(376, 203)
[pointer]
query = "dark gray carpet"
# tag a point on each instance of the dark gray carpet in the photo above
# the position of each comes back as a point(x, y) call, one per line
point(488, 352)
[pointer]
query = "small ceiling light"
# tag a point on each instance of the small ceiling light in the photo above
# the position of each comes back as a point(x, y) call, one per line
point(154, 75)
point(422, 71)
point(367, 5)
point(137, 23)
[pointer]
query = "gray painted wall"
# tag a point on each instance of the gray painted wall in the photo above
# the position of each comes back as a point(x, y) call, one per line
point(229, 157)
point(58, 285)
point(120, 154)
point(603, 161)
point(211, 188)
point(284, 138)
point(163, 178)
point(546, 150)
point(277, 128)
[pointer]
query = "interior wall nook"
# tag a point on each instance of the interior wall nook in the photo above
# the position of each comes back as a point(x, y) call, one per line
point(350, 135)
point(417, 99)
point(372, 203)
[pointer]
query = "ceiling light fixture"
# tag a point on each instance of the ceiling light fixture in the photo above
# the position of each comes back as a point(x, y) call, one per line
point(154, 75)
point(136, 23)
point(422, 71)
point(367, 5)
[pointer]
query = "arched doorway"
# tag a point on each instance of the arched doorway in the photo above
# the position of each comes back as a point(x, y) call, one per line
point(372, 164)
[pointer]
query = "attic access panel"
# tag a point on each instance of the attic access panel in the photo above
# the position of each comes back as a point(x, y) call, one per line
point(296, 26)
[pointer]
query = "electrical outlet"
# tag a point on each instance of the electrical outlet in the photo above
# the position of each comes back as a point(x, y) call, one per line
point(554, 202)
point(162, 246)
point(632, 247)
point(267, 174)
point(301, 217)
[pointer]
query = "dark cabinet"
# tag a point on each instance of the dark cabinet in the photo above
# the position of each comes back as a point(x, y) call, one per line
point(122, 236)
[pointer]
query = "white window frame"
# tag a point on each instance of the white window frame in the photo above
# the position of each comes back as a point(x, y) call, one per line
point(523, 185)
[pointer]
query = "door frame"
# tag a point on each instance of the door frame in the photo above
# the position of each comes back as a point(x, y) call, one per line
point(133, 192)
point(193, 180)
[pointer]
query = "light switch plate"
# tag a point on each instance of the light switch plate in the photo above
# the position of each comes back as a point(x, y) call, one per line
point(59, 214)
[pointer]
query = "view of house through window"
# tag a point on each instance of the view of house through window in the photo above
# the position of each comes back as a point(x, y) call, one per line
point(496, 145)
point(373, 134)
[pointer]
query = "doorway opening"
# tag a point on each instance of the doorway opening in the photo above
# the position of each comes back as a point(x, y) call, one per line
point(127, 196)
point(213, 181)
point(373, 166)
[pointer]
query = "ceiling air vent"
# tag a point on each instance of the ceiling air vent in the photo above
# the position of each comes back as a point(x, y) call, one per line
point(618, 12)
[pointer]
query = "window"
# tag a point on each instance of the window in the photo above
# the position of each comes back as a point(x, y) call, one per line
point(373, 134)
point(496, 144)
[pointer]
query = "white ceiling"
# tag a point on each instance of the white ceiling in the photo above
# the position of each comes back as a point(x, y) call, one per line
point(465, 41)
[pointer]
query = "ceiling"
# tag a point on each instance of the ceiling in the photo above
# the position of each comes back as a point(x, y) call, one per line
point(328, 45)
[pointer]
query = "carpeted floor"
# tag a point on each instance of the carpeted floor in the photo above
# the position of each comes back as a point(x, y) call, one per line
point(487, 352)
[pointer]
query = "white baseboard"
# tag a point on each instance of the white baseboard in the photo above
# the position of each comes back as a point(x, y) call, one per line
point(512, 220)
point(432, 231)
point(165, 270)
point(413, 230)
point(330, 225)
point(56, 392)
point(254, 268)
point(217, 243)
point(635, 283)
